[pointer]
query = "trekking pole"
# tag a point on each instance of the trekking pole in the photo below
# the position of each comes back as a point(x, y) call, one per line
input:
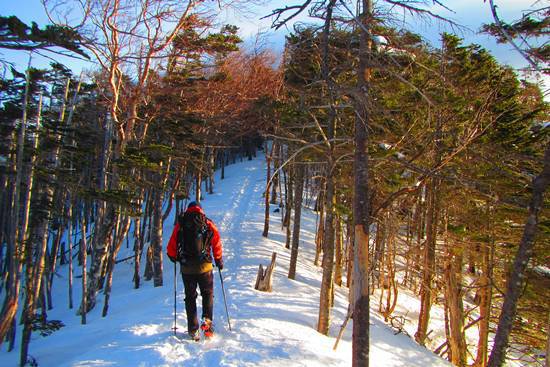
point(224, 300)
point(175, 295)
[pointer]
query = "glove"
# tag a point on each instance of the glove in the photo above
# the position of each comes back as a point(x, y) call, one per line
point(219, 263)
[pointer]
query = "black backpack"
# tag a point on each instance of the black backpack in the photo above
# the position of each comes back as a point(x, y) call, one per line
point(194, 237)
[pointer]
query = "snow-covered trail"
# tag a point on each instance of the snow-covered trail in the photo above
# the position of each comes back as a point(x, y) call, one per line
point(269, 329)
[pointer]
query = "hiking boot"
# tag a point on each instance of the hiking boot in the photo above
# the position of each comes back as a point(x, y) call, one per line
point(195, 335)
point(207, 328)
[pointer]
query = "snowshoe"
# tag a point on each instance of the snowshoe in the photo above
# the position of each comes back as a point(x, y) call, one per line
point(195, 335)
point(207, 328)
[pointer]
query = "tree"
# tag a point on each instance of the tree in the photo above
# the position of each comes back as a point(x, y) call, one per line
point(16, 35)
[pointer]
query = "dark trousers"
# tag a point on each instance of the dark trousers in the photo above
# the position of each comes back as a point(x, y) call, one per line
point(205, 281)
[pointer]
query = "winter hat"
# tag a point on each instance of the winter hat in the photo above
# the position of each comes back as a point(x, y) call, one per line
point(192, 204)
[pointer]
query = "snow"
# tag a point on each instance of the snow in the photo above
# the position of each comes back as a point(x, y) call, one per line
point(269, 329)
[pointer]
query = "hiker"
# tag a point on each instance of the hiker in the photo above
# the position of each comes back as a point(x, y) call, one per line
point(193, 242)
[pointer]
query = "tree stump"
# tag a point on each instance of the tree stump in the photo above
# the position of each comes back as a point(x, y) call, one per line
point(263, 280)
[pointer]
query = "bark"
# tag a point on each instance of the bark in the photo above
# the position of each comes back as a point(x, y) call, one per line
point(339, 265)
point(453, 298)
point(148, 273)
point(298, 196)
point(288, 209)
point(379, 245)
point(223, 155)
point(389, 283)
point(170, 198)
point(156, 240)
point(103, 232)
point(327, 283)
point(328, 260)
point(122, 233)
point(428, 272)
point(69, 240)
point(264, 278)
point(360, 282)
point(320, 234)
point(211, 167)
point(198, 181)
point(275, 181)
point(517, 276)
point(138, 246)
point(485, 297)
point(139, 234)
point(84, 252)
point(268, 159)
point(349, 269)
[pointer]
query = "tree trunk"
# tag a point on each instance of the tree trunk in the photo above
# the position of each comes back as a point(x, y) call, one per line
point(320, 234)
point(339, 253)
point(276, 164)
point(223, 155)
point(361, 210)
point(453, 298)
point(387, 269)
point(84, 252)
point(264, 278)
point(516, 280)
point(428, 271)
point(156, 240)
point(288, 209)
point(298, 196)
point(327, 283)
point(122, 233)
point(138, 245)
point(349, 269)
point(268, 157)
point(211, 167)
point(69, 240)
point(485, 297)
point(328, 258)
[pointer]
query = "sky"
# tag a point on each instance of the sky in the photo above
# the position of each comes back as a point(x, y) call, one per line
point(468, 13)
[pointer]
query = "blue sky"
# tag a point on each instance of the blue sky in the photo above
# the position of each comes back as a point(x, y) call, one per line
point(469, 13)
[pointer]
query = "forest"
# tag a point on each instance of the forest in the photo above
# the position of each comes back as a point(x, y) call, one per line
point(427, 165)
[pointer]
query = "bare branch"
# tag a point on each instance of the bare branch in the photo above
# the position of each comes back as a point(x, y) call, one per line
point(509, 38)
point(277, 13)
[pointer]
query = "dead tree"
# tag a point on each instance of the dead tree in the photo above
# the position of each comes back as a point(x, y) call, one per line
point(264, 280)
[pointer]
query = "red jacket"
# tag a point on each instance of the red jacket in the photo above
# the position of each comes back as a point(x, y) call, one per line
point(215, 244)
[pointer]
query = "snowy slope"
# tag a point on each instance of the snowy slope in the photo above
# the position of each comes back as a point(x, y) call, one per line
point(269, 329)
